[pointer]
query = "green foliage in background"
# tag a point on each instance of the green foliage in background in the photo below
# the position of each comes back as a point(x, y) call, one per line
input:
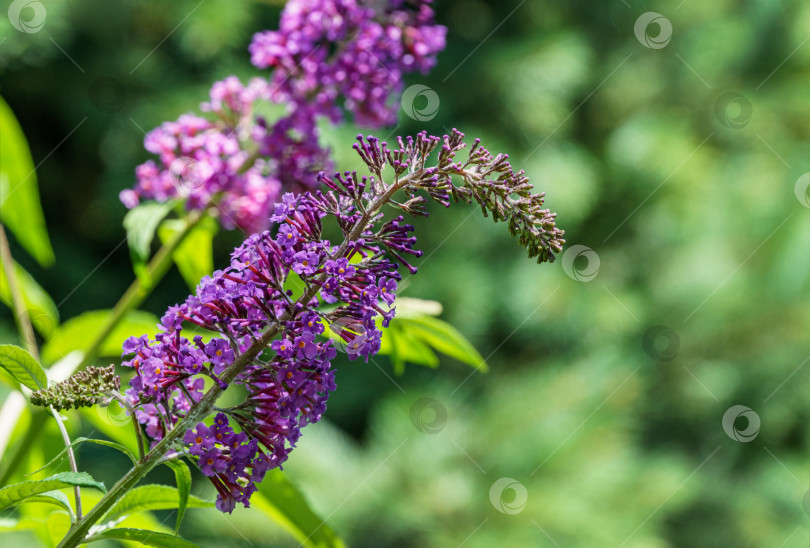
point(696, 225)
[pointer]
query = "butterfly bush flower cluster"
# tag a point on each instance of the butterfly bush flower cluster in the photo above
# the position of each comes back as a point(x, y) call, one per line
point(239, 164)
point(357, 49)
point(272, 339)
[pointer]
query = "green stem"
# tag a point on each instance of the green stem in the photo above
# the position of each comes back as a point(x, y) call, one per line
point(27, 335)
point(198, 411)
point(135, 424)
point(77, 533)
point(21, 317)
point(137, 291)
point(71, 457)
point(134, 296)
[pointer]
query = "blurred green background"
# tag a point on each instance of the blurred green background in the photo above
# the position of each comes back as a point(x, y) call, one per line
point(606, 398)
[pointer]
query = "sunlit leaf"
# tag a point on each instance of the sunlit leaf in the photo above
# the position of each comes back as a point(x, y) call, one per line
point(445, 338)
point(56, 498)
point(402, 347)
point(22, 366)
point(79, 441)
point(113, 422)
point(141, 223)
point(195, 255)
point(182, 476)
point(41, 308)
point(408, 307)
point(152, 497)
point(146, 538)
point(14, 494)
point(20, 209)
point(283, 503)
point(72, 335)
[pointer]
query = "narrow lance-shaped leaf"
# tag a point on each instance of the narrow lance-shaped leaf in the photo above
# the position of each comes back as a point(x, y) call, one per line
point(144, 537)
point(113, 422)
point(283, 503)
point(41, 308)
point(402, 348)
point(55, 498)
point(140, 224)
point(152, 497)
point(20, 209)
point(14, 494)
point(72, 334)
point(22, 366)
point(194, 256)
point(79, 441)
point(445, 338)
point(182, 476)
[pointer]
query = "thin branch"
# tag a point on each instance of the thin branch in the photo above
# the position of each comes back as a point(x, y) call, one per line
point(135, 424)
point(27, 335)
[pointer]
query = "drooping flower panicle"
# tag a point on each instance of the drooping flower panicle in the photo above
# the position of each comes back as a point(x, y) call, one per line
point(271, 340)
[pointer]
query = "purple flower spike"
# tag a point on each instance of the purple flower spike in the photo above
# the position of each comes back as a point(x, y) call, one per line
point(251, 306)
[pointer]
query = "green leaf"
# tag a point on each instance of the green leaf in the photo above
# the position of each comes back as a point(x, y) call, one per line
point(20, 209)
point(295, 284)
point(41, 308)
point(79, 441)
point(14, 494)
point(407, 348)
point(72, 335)
point(408, 307)
point(11, 524)
point(113, 422)
point(147, 538)
point(22, 366)
point(195, 255)
point(182, 476)
point(445, 338)
point(152, 497)
point(140, 223)
point(283, 503)
point(56, 498)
